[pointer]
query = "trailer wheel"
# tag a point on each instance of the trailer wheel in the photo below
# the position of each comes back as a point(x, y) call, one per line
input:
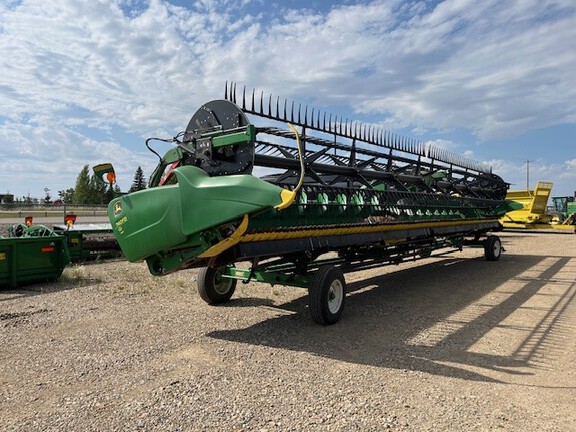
point(213, 288)
point(492, 248)
point(327, 295)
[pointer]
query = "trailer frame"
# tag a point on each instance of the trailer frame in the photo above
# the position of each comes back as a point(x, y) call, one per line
point(321, 270)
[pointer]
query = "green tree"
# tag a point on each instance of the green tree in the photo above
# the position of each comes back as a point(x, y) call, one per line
point(82, 189)
point(66, 195)
point(98, 191)
point(139, 182)
point(114, 192)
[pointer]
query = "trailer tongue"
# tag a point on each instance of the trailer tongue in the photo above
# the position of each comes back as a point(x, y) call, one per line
point(325, 185)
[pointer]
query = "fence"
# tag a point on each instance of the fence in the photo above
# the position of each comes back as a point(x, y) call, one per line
point(19, 210)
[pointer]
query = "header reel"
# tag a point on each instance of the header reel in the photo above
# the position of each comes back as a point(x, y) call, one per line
point(335, 152)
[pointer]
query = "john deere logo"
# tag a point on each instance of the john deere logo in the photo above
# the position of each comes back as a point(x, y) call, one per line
point(117, 208)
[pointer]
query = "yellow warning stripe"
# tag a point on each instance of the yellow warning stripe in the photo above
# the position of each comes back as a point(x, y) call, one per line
point(358, 229)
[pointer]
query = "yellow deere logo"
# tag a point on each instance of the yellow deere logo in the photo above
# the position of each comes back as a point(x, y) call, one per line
point(117, 208)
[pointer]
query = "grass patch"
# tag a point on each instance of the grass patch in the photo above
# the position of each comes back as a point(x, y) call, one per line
point(80, 275)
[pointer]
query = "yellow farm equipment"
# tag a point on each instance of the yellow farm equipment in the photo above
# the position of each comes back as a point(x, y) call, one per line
point(533, 213)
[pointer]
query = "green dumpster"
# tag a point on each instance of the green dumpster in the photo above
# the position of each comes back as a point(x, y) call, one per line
point(36, 255)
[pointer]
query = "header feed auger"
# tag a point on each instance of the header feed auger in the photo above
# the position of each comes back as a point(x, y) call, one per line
point(327, 185)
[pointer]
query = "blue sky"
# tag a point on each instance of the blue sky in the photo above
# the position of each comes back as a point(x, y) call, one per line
point(86, 81)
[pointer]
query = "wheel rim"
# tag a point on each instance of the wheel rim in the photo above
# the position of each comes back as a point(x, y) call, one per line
point(496, 248)
point(222, 285)
point(335, 296)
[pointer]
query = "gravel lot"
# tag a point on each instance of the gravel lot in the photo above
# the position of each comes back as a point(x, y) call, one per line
point(444, 344)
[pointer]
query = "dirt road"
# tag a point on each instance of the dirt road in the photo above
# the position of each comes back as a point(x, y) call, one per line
point(443, 344)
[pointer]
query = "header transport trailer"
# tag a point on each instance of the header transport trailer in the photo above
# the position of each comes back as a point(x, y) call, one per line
point(31, 254)
point(332, 196)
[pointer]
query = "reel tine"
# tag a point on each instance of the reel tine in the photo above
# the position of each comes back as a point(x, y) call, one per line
point(338, 125)
point(278, 106)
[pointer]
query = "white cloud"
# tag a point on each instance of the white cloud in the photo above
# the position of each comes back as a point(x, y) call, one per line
point(495, 68)
point(53, 158)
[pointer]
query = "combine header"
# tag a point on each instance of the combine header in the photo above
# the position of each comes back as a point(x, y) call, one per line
point(282, 192)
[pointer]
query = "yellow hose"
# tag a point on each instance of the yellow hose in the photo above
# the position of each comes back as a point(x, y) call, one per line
point(288, 196)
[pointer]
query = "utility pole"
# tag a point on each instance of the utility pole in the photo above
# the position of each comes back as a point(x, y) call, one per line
point(528, 174)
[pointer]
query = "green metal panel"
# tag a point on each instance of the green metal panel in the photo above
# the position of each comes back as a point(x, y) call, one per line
point(211, 201)
point(147, 221)
point(157, 219)
point(245, 137)
point(32, 259)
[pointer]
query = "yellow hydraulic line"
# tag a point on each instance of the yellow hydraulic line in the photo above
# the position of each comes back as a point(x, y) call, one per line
point(288, 196)
point(227, 242)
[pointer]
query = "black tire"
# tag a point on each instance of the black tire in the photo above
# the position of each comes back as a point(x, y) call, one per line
point(327, 295)
point(213, 288)
point(492, 248)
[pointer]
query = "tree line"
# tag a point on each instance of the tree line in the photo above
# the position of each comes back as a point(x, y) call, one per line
point(90, 189)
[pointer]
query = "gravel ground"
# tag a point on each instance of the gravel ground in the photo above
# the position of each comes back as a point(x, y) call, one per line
point(451, 343)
